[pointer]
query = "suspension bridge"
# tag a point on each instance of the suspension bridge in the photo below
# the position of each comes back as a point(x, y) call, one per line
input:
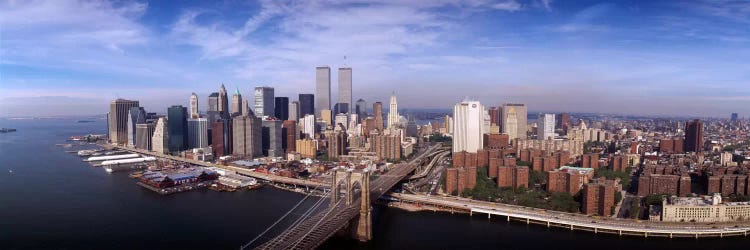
point(351, 212)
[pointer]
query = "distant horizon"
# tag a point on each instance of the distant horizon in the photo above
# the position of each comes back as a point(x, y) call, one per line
point(656, 58)
point(531, 113)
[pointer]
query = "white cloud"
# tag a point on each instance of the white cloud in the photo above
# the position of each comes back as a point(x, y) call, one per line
point(51, 25)
point(509, 5)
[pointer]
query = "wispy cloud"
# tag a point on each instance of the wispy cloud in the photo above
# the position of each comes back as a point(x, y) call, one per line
point(588, 19)
point(599, 57)
point(510, 5)
point(736, 10)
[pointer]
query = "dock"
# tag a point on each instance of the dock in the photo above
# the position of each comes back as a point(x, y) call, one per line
point(240, 170)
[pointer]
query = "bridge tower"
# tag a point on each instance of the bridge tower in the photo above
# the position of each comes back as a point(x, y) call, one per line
point(353, 183)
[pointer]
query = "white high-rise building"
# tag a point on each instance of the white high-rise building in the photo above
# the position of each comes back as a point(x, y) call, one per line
point(198, 133)
point(294, 111)
point(264, 101)
point(322, 89)
point(353, 118)
point(341, 119)
point(194, 106)
point(518, 111)
point(307, 125)
point(546, 127)
point(468, 124)
point(160, 140)
point(510, 123)
point(448, 124)
point(345, 88)
point(393, 117)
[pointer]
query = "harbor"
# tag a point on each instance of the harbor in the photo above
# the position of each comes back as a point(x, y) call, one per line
point(163, 175)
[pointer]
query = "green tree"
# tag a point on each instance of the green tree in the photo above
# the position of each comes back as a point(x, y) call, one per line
point(654, 199)
point(485, 188)
point(523, 163)
point(611, 175)
point(537, 177)
point(618, 197)
point(562, 201)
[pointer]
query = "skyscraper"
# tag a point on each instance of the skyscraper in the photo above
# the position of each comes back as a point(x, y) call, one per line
point(495, 116)
point(546, 127)
point(564, 122)
point(118, 120)
point(294, 111)
point(177, 128)
point(307, 126)
point(223, 102)
point(510, 122)
point(144, 132)
point(306, 105)
point(735, 116)
point(322, 89)
point(213, 113)
point(272, 138)
point(160, 140)
point(519, 112)
point(377, 110)
point(468, 122)
point(341, 108)
point(247, 133)
point(361, 108)
point(198, 133)
point(345, 87)
point(694, 136)
point(194, 106)
point(213, 102)
point(393, 117)
point(411, 128)
point(264, 102)
point(342, 120)
point(136, 115)
point(237, 103)
point(281, 108)
point(326, 116)
point(245, 108)
point(221, 137)
point(289, 136)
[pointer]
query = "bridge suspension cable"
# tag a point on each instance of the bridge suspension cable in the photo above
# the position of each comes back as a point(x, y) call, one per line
point(280, 219)
point(296, 242)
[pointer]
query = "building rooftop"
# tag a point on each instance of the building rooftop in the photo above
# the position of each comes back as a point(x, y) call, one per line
point(571, 168)
point(691, 201)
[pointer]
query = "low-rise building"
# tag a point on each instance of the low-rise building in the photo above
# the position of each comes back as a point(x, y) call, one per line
point(703, 209)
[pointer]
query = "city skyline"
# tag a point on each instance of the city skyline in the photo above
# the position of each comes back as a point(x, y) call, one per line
point(588, 124)
point(497, 51)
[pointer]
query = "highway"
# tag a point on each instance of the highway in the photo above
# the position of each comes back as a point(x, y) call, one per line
point(578, 221)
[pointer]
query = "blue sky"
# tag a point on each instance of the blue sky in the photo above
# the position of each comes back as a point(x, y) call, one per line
point(630, 57)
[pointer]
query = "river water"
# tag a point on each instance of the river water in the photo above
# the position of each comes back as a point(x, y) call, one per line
point(49, 199)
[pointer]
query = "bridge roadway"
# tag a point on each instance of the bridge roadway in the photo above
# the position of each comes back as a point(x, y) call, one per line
point(315, 230)
point(578, 221)
point(432, 163)
point(243, 171)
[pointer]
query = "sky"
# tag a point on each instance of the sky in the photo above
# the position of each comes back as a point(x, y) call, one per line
point(688, 58)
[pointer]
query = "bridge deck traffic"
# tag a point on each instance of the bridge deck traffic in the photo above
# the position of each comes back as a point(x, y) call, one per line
point(315, 230)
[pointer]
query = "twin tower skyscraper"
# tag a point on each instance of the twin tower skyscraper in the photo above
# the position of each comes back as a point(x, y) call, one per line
point(323, 90)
